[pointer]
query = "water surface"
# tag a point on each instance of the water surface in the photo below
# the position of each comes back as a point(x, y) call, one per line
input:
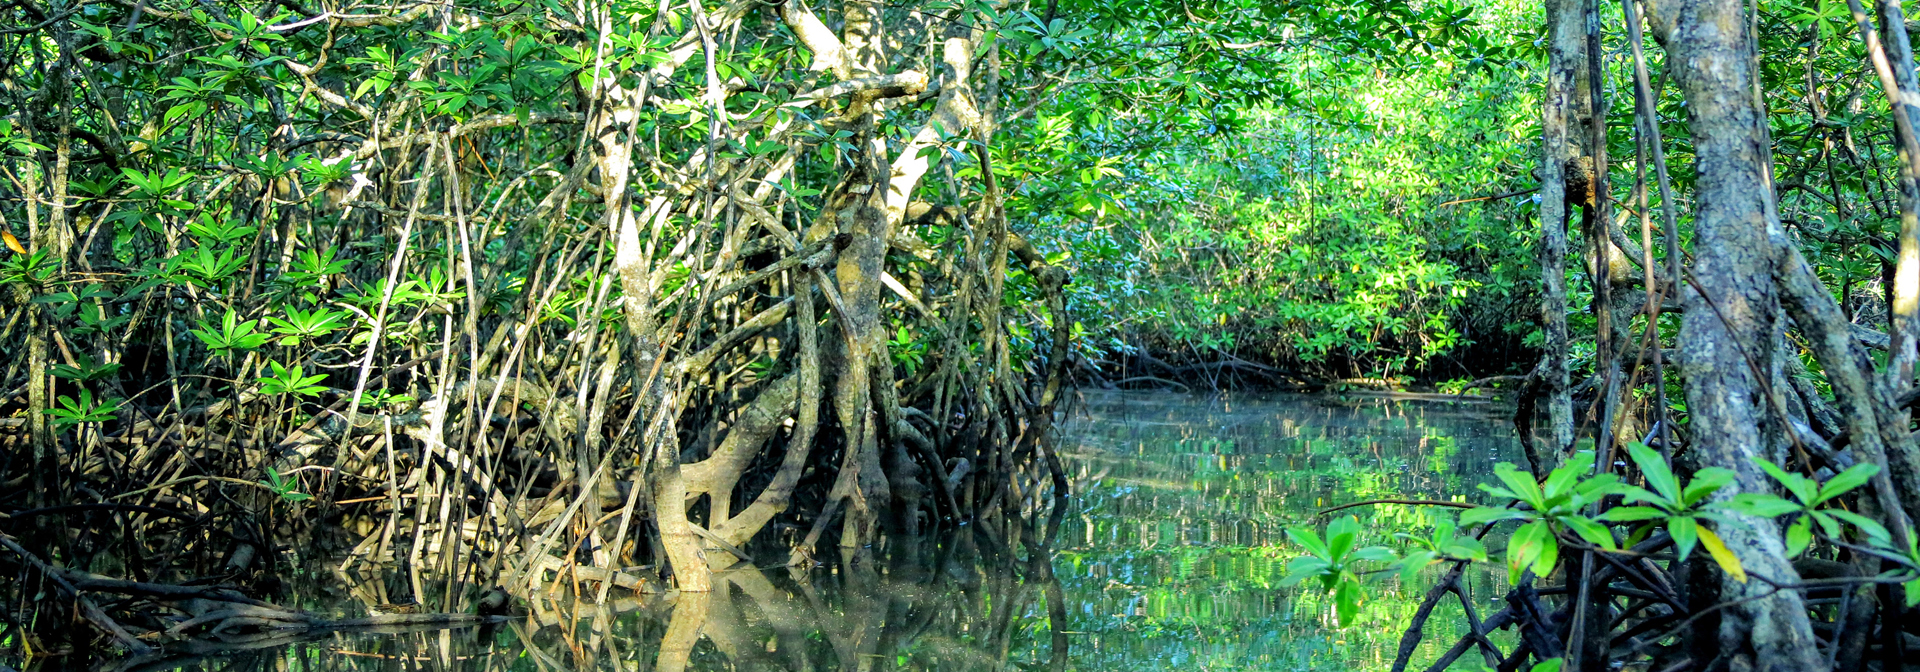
point(1174, 558)
point(1169, 557)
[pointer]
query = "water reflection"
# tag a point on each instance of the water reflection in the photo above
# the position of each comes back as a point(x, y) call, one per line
point(1172, 562)
point(1168, 558)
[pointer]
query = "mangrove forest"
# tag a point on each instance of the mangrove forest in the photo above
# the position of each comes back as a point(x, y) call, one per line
point(633, 335)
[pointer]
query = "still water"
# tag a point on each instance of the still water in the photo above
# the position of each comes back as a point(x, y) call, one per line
point(1168, 558)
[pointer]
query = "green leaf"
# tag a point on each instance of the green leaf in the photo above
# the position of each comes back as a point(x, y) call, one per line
point(1311, 541)
point(1375, 554)
point(1855, 476)
point(1655, 468)
point(83, 409)
point(1414, 562)
point(1801, 486)
point(1532, 547)
point(1346, 601)
point(1303, 568)
point(1521, 484)
point(1566, 475)
point(1876, 533)
point(1598, 487)
point(1502, 493)
point(1549, 552)
point(1629, 514)
point(1685, 532)
point(1706, 482)
point(1799, 535)
point(1593, 532)
point(1489, 514)
point(1341, 535)
point(1466, 548)
point(1828, 524)
point(1762, 505)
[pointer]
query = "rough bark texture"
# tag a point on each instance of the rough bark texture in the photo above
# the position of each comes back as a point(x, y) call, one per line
point(1565, 103)
point(1726, 339)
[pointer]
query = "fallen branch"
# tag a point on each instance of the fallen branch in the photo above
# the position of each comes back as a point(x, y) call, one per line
point(1421, 396)
point(99, 506)
point(1491, 380)
point(102, 584)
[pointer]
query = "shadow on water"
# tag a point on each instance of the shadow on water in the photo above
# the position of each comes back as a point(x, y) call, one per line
point(1168, 557)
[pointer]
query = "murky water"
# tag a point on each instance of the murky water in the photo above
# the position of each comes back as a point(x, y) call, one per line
point(1168, 558)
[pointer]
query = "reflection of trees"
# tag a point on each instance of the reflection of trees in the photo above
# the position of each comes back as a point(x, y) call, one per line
point(1180, 566)
point(380, 648)
point(979, 598)
point(982, 598)
point(1176, 552)
point(1193, 474)
point(968, 602)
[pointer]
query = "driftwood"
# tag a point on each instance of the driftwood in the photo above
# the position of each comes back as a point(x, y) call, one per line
point(1184, 375)
point(1151, 379)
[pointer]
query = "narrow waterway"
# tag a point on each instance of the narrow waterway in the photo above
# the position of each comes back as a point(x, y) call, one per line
point(1169, 558)
point(1174, 559)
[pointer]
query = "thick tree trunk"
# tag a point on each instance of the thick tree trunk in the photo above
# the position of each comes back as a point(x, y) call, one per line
point(1565, 103)
point(1727, 334)
point(858, 276)
point(864, 217)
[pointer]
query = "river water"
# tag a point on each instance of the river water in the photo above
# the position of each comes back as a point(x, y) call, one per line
point(1168, 558)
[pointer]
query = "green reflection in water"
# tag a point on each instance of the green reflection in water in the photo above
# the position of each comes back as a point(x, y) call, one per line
point(1171, 560)
point(1166, 559)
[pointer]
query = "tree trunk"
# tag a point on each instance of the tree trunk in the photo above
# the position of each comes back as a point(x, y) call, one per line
point(1726, 338)
point(1906, 275)
point(1565, 103)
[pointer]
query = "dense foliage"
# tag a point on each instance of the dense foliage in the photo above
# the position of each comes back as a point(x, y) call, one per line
point(1758, 332)
point(1299, 221)
point(1317, 239)
point(503, 291)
